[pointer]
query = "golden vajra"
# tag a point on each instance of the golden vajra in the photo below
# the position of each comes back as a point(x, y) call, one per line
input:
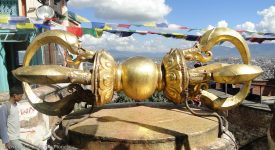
point(138, 77)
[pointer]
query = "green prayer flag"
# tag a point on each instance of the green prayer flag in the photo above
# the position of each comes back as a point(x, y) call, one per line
point(88, 31)
point(95, 32)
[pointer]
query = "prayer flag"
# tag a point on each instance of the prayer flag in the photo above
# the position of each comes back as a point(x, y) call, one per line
point(121, 33)
point(168, 35)
point(107, 27)
point(75, 30)
point(25, 26)
point(254, 39)
point(192, 38)
point(88, 31)
point(40, 26)
point(240, 31)
point(8, 26)
point(125, 34)
point(162, 25)
point(270, 34)
point(141, 32)
point(137, 25)
point(178, 35)
point(97, 33)
point(78, 17)
point(149, 24)
point(36, 20)
point(250, 32)
point(4, 19)
point(98, 25)
point(184, 28)
point(123, 25)
point(150, 32)
point(17, 19)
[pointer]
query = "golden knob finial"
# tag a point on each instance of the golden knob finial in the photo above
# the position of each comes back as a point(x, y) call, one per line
point(139, 77)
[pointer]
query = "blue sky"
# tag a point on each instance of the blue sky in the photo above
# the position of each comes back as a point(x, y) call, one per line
point(198, 13)
point(255, 15)
point(201, 13)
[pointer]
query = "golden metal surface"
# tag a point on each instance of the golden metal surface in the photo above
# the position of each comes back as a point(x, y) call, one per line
point(140, 77)
point(103, 77)
point(195, 54)
point(148, 130)
point(209, 68)
point(210, 39)
point(234, 74)
point(52, 74)
point(175, 76)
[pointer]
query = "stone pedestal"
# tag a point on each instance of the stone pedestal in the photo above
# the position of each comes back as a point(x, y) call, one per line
point(146, 126)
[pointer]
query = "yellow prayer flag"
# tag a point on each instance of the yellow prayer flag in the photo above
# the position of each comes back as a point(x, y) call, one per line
point(150, 24)
point(4, 19)
point(175, 33)
point(107, 27)
point(99, 33)
point(178, 35)
point(82, 19)
point(25, 26)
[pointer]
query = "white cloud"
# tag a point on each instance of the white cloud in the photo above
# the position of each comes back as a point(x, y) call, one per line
point(209, 27)
point(129, 10)
point(222, 23)
point(249, 26)
point(267, 24)
point(111, 41)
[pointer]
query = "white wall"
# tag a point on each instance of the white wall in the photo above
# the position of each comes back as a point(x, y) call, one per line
point(31, 6)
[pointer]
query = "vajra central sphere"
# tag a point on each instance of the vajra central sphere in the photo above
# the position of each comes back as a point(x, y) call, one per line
point(138, 77)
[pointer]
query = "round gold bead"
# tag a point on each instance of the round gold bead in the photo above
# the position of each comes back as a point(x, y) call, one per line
point(139, 77)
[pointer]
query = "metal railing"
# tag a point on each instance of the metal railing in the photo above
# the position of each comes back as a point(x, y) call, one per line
point(253, 84)
point(261, 85)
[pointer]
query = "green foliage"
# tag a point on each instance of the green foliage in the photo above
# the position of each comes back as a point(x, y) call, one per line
point(122, 98)
point(156, 97)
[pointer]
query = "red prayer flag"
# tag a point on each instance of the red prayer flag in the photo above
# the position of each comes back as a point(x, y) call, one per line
point(75, 30)
point(150, 32)
point(123, 25)
point(182, 27)
point(258, 40)
point(240, 31)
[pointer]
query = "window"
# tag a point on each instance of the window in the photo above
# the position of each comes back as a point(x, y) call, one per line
point(21, 54)
point(14, 37)
point(9, 7)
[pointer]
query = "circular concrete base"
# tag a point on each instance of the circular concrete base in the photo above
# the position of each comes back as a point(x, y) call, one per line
point(152, 126)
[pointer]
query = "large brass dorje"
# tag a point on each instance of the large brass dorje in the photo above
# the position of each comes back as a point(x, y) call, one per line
point(139, 77)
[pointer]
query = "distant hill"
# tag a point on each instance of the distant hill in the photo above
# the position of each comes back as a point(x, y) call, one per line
point(126, 54)
point(256, 50)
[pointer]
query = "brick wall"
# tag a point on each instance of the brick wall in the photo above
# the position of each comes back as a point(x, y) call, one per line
point(267, 87)
point(249, 125)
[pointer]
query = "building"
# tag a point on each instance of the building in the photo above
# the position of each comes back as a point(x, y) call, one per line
point(14, 42)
